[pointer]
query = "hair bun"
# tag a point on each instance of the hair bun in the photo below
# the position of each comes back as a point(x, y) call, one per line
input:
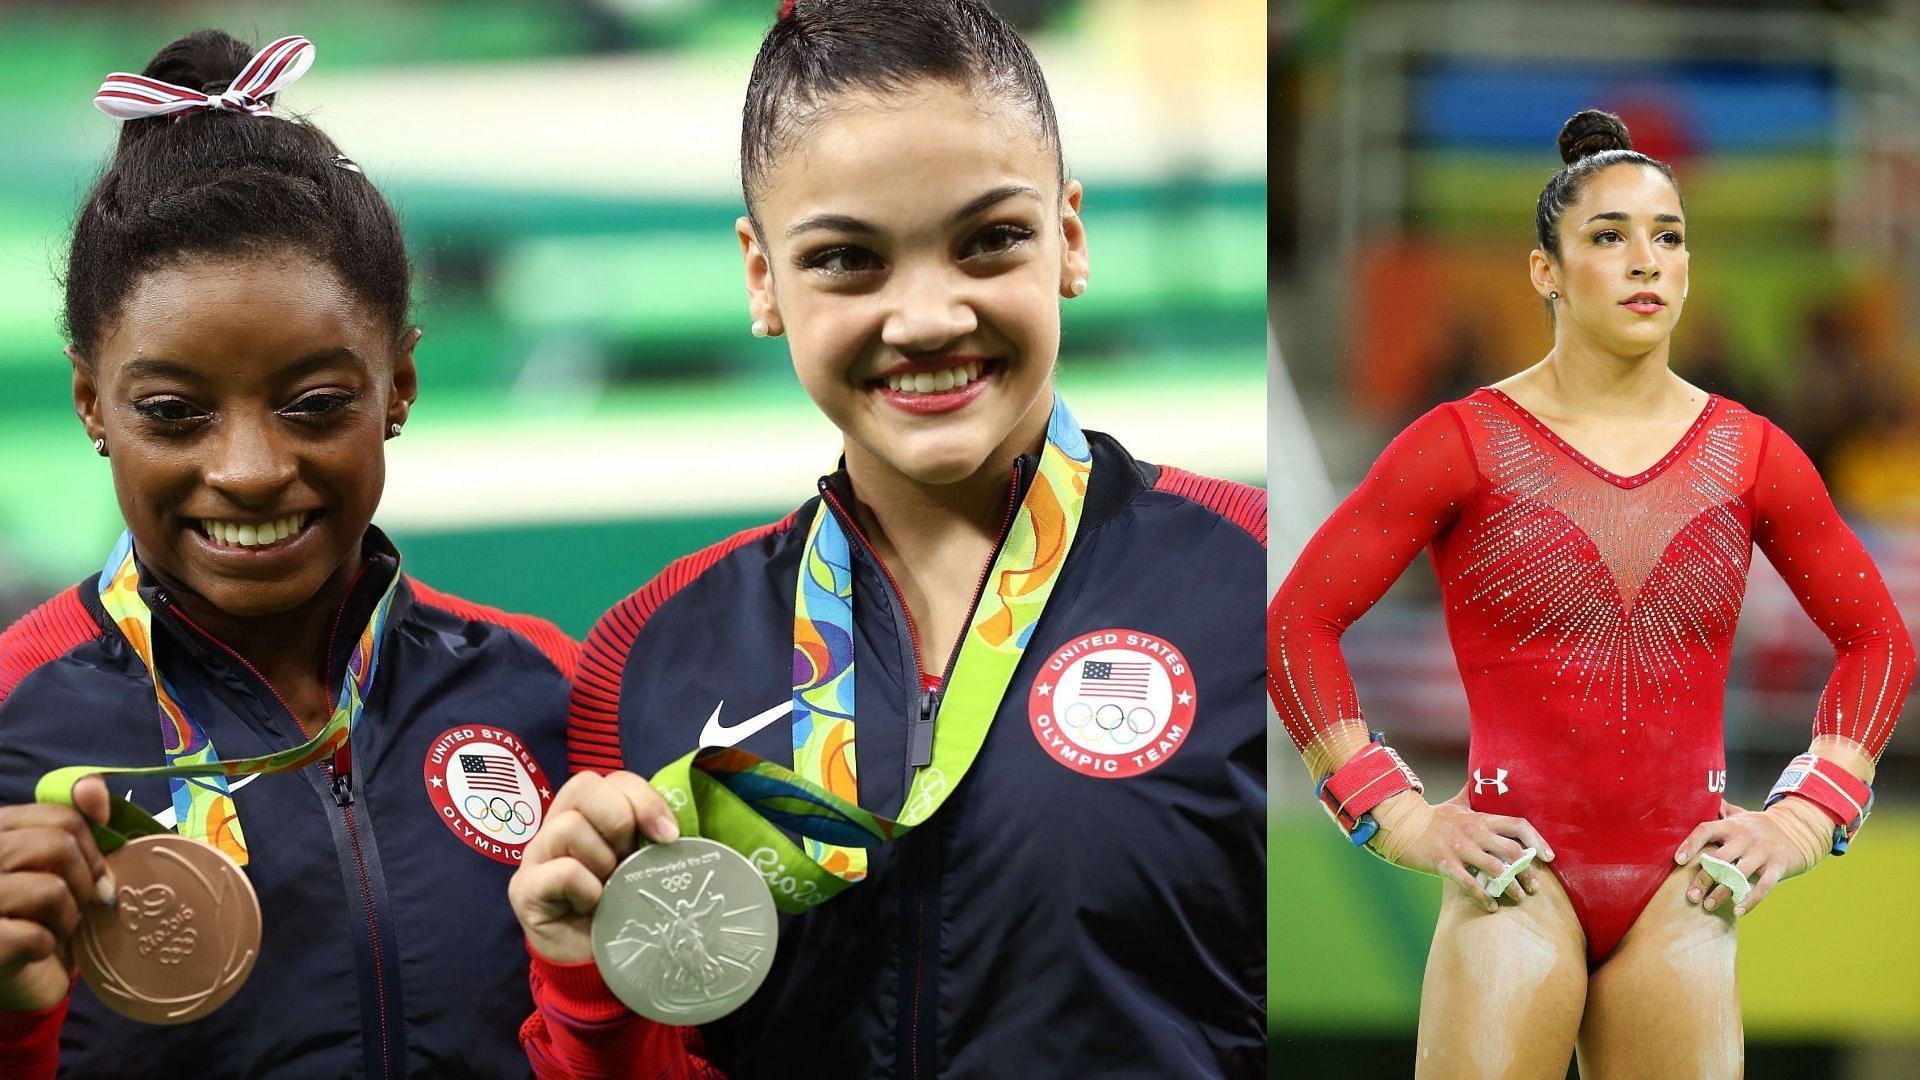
point(206, 60)
point(1591, 131)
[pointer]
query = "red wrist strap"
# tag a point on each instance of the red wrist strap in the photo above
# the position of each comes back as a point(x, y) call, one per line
point(1368, 779)
point(1845, 797)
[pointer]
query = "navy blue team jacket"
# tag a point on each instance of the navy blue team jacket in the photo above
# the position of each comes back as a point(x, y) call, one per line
point(1076, 908)
point(389, 948)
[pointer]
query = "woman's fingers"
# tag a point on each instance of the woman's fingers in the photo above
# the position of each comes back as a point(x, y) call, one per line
point(649, 809)
point(553, 901)
point(46, 899)
point(47, 845)
point(569, 835)
point(1523, 832)
point(1464, 878)
point(620, 807)
point(1762, 885)
point(1704, 834)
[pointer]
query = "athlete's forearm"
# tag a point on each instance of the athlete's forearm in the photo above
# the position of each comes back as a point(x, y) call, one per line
point(1837, 584)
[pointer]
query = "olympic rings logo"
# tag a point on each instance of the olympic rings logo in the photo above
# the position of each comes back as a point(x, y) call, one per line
point(496, 814)
point(1121, 725)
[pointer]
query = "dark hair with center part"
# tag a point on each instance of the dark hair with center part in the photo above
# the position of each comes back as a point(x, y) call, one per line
point(225, 183)
point(825, 47)
point(1590, 142)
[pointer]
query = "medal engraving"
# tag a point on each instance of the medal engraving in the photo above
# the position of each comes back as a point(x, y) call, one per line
point(685, 931)
point(182, 937)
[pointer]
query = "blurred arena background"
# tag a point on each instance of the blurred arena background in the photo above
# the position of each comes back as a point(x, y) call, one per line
point(1410, 141)
point(591, 402)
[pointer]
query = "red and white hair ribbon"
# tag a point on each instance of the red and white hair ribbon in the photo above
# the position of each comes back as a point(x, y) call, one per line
point(125, 96)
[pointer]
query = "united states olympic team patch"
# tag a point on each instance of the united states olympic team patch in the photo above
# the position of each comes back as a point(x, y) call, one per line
point(1113, 703)
point(487, 788)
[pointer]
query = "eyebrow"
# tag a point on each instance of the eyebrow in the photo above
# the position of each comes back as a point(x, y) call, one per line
point(158, 367)
point(1622, 215)
point(846, 223)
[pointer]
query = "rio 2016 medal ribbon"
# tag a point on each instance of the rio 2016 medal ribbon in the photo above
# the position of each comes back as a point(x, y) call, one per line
point(181, 938)
point(685, 931)
point(175, 952)
point(744, 802)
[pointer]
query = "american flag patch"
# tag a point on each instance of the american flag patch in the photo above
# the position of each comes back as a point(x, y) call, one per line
point(486, 773)
point(1126, 679)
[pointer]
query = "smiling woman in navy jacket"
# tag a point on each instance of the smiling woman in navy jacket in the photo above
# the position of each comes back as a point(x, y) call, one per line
point(237, 305)
point(1040, 652)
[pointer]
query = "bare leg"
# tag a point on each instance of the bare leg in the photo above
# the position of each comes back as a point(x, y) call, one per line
point(1504, 991)
point(1665, 1003)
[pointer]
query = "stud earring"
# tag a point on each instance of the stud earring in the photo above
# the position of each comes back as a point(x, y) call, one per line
point(393, 431)
point(1077, 287)
point(1551, 295)
point(759, 328)
point(100, 447)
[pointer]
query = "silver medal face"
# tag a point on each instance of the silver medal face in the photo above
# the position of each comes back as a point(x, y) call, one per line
point(685, 931)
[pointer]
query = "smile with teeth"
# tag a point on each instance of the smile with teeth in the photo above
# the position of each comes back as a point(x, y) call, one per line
point(933, 382)
point(252, 534)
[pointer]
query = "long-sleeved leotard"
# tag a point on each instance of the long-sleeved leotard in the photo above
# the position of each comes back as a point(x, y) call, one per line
point(1592, 618)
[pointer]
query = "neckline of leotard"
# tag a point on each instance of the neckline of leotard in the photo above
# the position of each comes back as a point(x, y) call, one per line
point(1637, 479)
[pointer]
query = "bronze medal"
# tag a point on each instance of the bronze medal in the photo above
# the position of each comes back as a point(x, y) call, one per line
point(181, 939)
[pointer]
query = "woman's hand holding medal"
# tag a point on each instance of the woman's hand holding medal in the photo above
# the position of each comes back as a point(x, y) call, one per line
point(51, 871)
point(596, 821)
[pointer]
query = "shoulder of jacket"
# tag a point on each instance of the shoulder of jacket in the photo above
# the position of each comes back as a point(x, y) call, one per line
point(553, 643)
point(1242, 504)
point(593, 723)
point(43, 635)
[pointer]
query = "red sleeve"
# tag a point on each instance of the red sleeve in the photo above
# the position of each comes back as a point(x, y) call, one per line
point(580, 1031)
point(1838, 586)
point(1421, 482)
point(30, 1042)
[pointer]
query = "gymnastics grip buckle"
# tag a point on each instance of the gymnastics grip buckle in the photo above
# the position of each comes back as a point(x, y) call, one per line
point(1845, 798)
point(1368, 779)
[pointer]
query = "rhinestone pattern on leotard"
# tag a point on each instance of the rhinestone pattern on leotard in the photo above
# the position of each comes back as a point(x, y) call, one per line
point(1579, 557)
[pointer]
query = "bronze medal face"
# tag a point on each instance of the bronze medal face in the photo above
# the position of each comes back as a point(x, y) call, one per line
point(685, 931)
point(182, 938)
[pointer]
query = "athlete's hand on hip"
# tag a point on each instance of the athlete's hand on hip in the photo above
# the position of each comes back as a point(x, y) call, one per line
point(595, 822)
point(1786, 839)
point(1452, 840)
point(51, 872)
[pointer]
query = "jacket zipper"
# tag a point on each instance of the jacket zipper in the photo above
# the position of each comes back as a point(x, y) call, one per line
point(339, 774)
point(920, 751)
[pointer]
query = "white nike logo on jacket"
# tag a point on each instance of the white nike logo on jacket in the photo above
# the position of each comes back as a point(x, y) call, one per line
point(716, 734)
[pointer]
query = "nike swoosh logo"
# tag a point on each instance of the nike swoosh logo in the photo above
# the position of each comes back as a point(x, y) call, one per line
point(717, 734)
point(165, 818)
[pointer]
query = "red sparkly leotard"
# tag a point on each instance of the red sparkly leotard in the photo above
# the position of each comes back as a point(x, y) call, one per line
point(1592, 618)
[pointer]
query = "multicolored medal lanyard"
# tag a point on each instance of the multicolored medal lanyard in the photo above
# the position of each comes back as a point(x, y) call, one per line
point(737, 798)
point(202, 803)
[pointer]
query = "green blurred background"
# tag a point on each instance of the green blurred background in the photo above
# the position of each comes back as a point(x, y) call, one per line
point(1409, 143)
point(592, 404)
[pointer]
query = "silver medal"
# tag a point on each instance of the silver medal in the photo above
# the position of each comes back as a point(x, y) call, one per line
point(685, 931)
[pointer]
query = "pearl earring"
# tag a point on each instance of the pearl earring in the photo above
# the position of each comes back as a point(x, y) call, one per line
point(1077, 287)
point(759, 328)
point(393, 431)
point(1551, 295)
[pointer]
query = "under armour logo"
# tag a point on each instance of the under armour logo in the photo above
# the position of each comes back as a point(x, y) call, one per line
point(1498, 780)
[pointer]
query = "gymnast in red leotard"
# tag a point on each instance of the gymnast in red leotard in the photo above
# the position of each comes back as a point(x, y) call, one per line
point(1591, 599)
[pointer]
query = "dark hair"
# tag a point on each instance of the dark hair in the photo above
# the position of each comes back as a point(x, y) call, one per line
point(823, 47)
point(1591, 141)
point(216, 183)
